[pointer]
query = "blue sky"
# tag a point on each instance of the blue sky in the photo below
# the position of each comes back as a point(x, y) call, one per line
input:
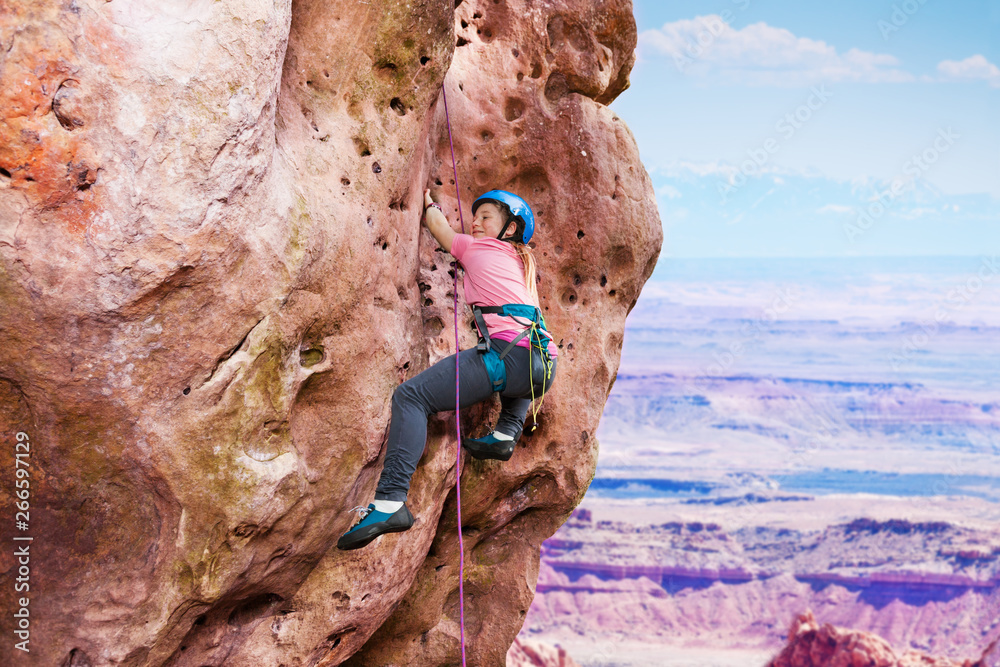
point(778, 128)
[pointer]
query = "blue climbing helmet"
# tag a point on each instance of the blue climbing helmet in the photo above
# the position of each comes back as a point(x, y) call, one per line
point(519, 209)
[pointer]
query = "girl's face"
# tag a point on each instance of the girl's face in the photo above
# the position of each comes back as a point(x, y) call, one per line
point(488, 223)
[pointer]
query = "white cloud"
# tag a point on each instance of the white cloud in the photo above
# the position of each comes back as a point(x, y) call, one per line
point(761, 54)
point(668, 191)
point(974, 67)
point(917, 212)
point(836, 208)
point(690, 171)
point(682, 168)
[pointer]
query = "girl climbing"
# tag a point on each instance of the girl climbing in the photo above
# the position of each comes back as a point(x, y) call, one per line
point(515, 355)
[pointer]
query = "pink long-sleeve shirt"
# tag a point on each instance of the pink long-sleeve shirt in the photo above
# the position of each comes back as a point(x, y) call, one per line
point(494, 276)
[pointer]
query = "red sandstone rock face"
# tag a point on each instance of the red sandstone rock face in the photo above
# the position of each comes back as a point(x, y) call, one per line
point(812, 645)
point(213, 275)
point(529, 653)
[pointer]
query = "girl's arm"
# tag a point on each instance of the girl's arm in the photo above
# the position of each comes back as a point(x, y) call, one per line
point(437, 223)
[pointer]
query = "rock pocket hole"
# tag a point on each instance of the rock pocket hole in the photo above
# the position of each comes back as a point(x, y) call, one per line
point(580, 234)
point(556, 87)
point(536, 70)
point(569, 297)
point(397, 106)
point(253, 608)
point(513, 109)
point(424, 60)
point(335, 637)
point(345, 181)
point(78, 658)
point(245, 530)
point(310, 357)
point(434, 326)
point(461, 42)
point(362, 147)
point(6, 174)
point(187, 390)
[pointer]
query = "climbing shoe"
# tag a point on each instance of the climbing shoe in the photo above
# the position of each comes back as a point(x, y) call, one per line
point(372, 524)
point(491, 447)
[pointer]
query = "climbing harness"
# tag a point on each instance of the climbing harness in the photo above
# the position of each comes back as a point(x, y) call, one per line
point(458, 413)
point(538, 338)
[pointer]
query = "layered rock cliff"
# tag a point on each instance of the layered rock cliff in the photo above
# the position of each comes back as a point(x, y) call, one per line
point(813, 645)
point(528, 653)
point(931, 586)
point(213, 275)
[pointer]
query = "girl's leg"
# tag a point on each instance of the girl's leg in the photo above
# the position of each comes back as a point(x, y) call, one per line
point(512, 414)
point(516, 397)
point(413, 402)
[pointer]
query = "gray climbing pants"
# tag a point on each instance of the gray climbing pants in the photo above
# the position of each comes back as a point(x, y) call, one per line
point(433, 390)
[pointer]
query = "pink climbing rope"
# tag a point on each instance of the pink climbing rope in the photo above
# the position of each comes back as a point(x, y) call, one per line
point(458, 416)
